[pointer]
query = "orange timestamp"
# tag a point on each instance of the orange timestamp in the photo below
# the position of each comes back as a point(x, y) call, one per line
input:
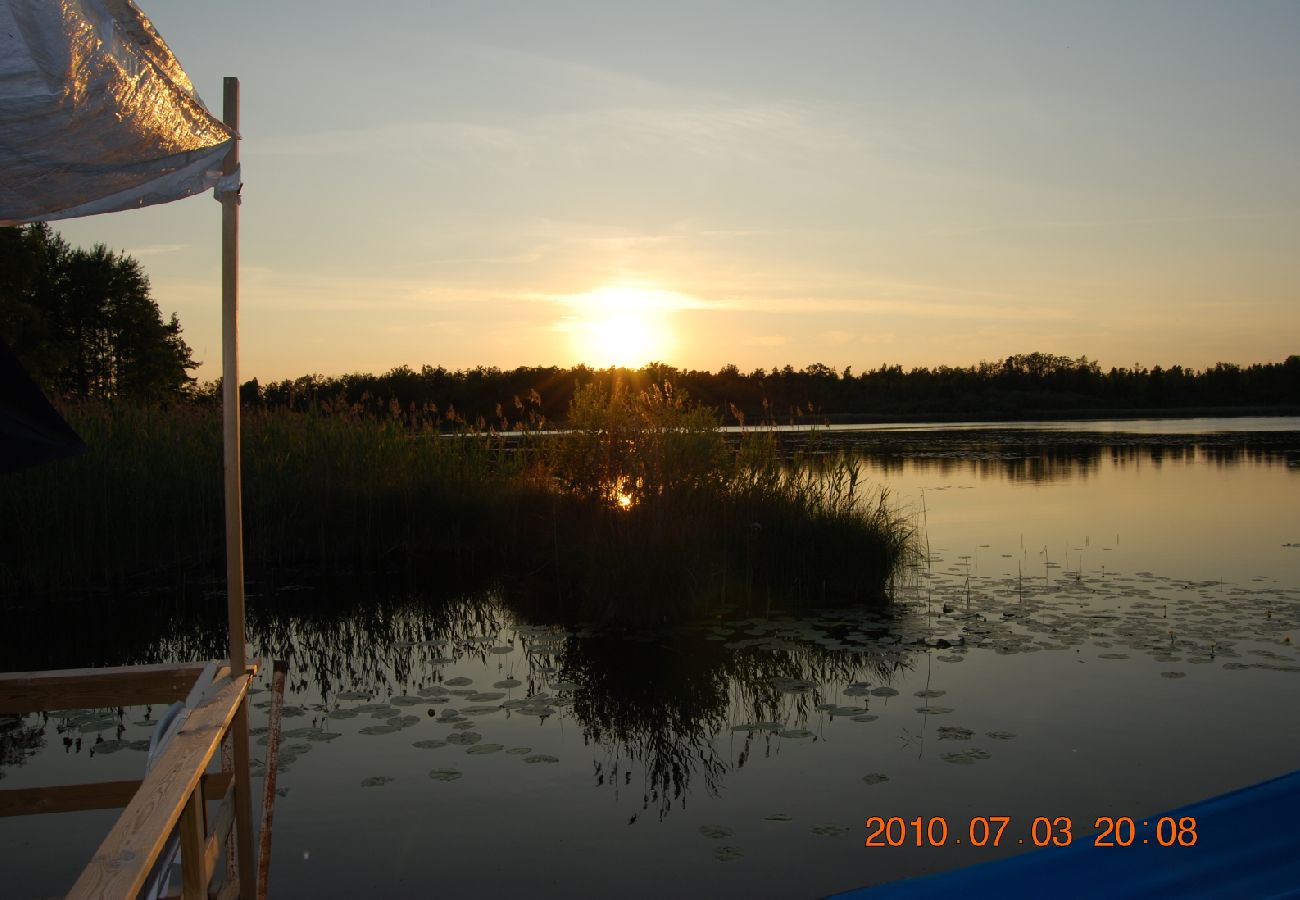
point(1044, 831)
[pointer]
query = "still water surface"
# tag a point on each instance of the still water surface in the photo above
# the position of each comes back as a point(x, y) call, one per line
point(1105, 624)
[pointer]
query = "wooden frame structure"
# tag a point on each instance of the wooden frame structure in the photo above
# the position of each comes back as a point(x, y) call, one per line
point(172, 797)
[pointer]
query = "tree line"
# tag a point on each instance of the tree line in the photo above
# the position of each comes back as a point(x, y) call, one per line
point(85, 326)
point(1020, 386)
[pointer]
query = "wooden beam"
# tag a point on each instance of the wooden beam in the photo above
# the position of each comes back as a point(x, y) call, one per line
point(23, 692)
point(194, 884)
point(67, 798)
point(122, 863)
point(280, 671)
point(218, 831)
point(78, 797)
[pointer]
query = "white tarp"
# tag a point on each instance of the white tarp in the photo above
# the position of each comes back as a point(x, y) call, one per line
point(96, 114)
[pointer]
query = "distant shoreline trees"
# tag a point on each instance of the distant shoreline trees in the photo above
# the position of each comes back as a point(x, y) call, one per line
point(83, 322)
point(1021, 386)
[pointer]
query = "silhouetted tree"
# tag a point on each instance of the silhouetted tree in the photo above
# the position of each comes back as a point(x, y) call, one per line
point(83, 321)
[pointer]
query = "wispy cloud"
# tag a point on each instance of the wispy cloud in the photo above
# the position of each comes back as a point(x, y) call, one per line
point(156, 249)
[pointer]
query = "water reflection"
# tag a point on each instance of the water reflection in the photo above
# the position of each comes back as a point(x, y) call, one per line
point(1033, 664)
point(1038, 462)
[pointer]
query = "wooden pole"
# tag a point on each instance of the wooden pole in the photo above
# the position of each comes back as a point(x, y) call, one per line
point(234, 493)
point(230, 388)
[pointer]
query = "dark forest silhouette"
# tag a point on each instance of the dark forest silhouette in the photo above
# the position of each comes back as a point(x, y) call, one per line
point(1023, 386)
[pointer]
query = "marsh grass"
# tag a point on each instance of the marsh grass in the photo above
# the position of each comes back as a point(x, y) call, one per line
point(676, 523)
point(641, 511)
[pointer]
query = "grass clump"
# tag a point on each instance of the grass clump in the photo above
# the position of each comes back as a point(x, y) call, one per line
point(661, 518)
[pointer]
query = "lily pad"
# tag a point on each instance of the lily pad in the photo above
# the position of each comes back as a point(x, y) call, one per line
point(485, 696)
point(1173, 674)
point(464, 737)
point(727, 854)
point(406, 700)
point(875, 778)
point(508, 683)
point(429, 744)
point(535, 710)
point(796, 733)
point(778, 817)
point(884, 692)
point(865, 717)
point(953, 733)
point(445, 774)
point(716, 831)
point(519, 751)
point(483, 749)
point(1001, 735)
point(929, 693)
point(380, 729)
point(324, 736)
point(966, 757)
point(828, 830)
point(458, 681)
point(377, 780)
point(352, 695)
point(541, 758)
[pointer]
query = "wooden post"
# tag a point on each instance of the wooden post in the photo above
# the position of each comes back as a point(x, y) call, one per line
point(230, 388)
point(234, 492)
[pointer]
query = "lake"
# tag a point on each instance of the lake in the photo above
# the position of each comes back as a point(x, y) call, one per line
point(1104, 622)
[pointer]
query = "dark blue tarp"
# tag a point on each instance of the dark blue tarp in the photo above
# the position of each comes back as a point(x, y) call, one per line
point(1248, 845)
point(31, 431)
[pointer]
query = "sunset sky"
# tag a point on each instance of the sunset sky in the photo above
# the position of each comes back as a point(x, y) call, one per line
point(757, 183)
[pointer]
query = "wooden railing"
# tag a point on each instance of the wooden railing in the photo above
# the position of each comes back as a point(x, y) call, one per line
point(171, 797)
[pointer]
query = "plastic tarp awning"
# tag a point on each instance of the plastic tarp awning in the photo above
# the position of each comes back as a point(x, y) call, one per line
point(96, 114)
point(1248, 845)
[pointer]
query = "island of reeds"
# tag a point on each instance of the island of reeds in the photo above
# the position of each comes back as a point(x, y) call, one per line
point(639, 510)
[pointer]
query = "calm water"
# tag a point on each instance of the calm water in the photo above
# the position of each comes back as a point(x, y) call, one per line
point(1106, 624)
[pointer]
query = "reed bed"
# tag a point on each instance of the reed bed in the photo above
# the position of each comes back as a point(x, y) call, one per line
point(640, 512)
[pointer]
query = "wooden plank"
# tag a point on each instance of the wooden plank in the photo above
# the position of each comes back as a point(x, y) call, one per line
point(280, 670)
point(218, 832)
point(123, 861)
point(245, 861)
point(67, 798)
point(194, 886)
point(216, 784)
point(23, 692)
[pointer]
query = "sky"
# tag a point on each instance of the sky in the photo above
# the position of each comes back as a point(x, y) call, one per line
point(753, 183)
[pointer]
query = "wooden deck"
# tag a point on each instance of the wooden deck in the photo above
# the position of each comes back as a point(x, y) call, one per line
point(173, 796)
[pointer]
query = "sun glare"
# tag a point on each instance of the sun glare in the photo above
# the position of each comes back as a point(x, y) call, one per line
point(622, 326)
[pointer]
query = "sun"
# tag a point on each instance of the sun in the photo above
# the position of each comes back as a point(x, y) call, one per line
point(622, 325)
